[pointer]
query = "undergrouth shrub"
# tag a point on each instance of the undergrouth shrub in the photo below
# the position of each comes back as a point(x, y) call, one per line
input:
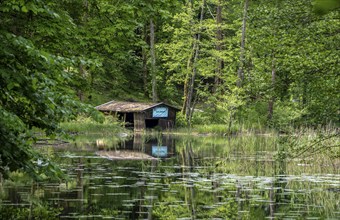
point(286, 115)
point(86, 132)
point(85, 125)
point(39, 211)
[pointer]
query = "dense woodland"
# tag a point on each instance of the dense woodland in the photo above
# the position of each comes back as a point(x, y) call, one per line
point(252, 61)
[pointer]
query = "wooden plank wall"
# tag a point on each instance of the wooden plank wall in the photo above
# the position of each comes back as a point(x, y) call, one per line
point(139, 121)
point(164, 123)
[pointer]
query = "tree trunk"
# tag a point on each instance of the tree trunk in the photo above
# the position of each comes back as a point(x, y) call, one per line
point(219, 38)
point(153, 61)
point(82, 73)
point(194, 70)
point(82, 70)
point(189, 66)
point(86, 6)
point(272, 99)
point(185, 85)
point(240, 71)
point(145, 64)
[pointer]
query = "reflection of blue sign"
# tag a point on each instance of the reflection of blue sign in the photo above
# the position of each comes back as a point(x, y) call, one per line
point(160, 112)
point(159, 151)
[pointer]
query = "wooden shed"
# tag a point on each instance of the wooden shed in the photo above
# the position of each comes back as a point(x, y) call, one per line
point(142, 115)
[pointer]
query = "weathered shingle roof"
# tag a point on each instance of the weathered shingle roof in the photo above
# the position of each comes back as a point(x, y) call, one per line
point(121, 106)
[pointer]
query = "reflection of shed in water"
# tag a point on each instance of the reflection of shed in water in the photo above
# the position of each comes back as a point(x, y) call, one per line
point(142, 115)
point(139, 149)
point(161, 147)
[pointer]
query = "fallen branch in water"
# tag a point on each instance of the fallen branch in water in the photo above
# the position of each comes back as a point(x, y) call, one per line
point(319, 141)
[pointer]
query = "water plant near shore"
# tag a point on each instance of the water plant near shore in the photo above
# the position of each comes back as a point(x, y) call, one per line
point(87, 125)
point(240, 176)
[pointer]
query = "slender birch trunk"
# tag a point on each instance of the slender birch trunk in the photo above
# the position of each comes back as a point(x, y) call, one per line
point(82, 73)
point(153, 61)
point(145, 62)
point(189, 65)
point(273, 80)
point(240, 71)
point(194, 69)
point(186, 81)
point(272, 99)
point(219, 38)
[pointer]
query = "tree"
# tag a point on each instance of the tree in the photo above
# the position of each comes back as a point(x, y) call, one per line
point(153, 61)
point(219, 38)
point(193, 69)
point(240, 71)
point(302, 53)
point(325, 6)
point(35, 84)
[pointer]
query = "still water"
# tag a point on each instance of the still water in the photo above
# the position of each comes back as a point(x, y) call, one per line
point(169, 177)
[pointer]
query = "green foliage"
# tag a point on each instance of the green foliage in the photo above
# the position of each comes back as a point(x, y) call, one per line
point(38, 212)
point(201, 117)
point(301, 47)
point(180, 120)
point(35, 85)
point(165, 211)
point(53, 52)
point(87, 125)
point(325, 6)
point(253, 115)
point(15, 152)
point(309, 143)
point(287, 114)
point(87, 132)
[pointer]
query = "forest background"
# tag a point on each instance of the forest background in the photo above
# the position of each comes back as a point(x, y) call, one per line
point(259, 63)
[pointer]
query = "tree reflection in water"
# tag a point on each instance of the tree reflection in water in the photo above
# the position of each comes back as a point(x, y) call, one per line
point(198, 178)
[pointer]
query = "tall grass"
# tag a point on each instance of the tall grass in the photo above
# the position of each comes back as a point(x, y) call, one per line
point(84, 132)
point(309, 142)
point(225, 130)
point(85, 125)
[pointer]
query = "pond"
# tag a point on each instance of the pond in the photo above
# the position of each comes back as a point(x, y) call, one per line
point(179, 177)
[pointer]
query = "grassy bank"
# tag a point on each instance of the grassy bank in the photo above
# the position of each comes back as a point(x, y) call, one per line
point(84, 132)
point(85, 125)
point(225, 130)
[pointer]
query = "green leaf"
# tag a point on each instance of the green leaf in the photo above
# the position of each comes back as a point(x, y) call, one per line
point(24, 9)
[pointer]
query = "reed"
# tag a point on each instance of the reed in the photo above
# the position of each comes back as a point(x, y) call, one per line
point(86, 125)
point(225, 130)
point(85, 132)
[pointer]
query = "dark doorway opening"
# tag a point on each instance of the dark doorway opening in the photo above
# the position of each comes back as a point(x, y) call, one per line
point(127, 118)
point(151, 123)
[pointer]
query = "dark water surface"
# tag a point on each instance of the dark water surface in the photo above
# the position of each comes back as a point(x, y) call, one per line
point(181, 178)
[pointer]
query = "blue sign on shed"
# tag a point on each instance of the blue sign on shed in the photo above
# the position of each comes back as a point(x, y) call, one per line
point(159, 151)
point(160, 112)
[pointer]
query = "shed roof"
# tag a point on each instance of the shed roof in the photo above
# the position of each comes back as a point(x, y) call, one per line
point(122, 106)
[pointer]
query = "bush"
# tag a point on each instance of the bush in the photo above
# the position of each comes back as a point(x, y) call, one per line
point(180, 120)
point(88, 125)
point(286, 115)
